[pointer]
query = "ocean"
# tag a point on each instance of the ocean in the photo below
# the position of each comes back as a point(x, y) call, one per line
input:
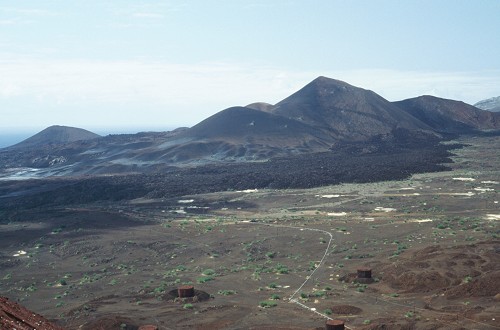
point(8, 139)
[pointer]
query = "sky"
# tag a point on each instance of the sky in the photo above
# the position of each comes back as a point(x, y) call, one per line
point(114, 66)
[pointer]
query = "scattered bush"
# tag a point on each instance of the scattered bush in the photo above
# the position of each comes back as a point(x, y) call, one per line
point(268, 304)
point(409, 314)
point(204, 279)
point(226, 292)
point(270, 255)
point(208, 272)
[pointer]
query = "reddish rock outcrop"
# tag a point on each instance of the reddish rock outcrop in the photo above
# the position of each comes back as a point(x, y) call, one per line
point(15, 316)
point(148, 327)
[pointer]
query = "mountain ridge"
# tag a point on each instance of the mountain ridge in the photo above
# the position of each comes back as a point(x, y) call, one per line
point(449, 116)
point(325, 115)
point(491, 104)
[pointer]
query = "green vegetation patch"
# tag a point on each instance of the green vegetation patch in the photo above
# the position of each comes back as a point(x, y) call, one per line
point(268, 304)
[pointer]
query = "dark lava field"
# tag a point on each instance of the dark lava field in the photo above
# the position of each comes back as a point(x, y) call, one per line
point(350, 163)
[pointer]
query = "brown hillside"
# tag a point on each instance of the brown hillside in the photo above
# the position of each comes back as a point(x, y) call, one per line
point(449, 115)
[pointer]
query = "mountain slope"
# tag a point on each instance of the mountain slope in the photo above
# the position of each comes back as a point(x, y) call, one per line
point(56, 135)
point(315, 118)
point(344, 111)
point(262, 106)
point(241, 123)
point(242, 133)
point(491, 104)
point(449, 116)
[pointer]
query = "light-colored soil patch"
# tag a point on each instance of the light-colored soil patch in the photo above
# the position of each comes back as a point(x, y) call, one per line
point(480, 189)
point(185, 201)
point(493, 216)
point(421, 220)
point(337, 214)
point(464, 179)
point(384, 209)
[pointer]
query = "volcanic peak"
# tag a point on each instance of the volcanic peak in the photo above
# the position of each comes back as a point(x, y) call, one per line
point(56, 135)
point(345, 111)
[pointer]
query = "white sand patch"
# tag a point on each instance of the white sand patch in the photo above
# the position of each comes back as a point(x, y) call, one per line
point(328, 196)
point(337, 214)
point(469, 194)
point(408, 188)
point(22, 173)
point(384, 209)
point(198, 207)
point(496, 202)
point(421, 220)
point(409, 195)
point(369, 219)
point(19, 253)
point(185, 201)
point(181, 211)
point(493, 217)
point(464, 179)
point(248, 191)
point(483, 189)
point(489, 182)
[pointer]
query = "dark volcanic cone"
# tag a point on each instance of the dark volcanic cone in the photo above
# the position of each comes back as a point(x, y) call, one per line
point(345, 111)
point(56, 135)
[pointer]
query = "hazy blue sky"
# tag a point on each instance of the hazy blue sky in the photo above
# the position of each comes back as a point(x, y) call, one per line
point(100, 64)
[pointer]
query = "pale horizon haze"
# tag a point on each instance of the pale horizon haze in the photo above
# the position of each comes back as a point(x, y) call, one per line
point(128, 66)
